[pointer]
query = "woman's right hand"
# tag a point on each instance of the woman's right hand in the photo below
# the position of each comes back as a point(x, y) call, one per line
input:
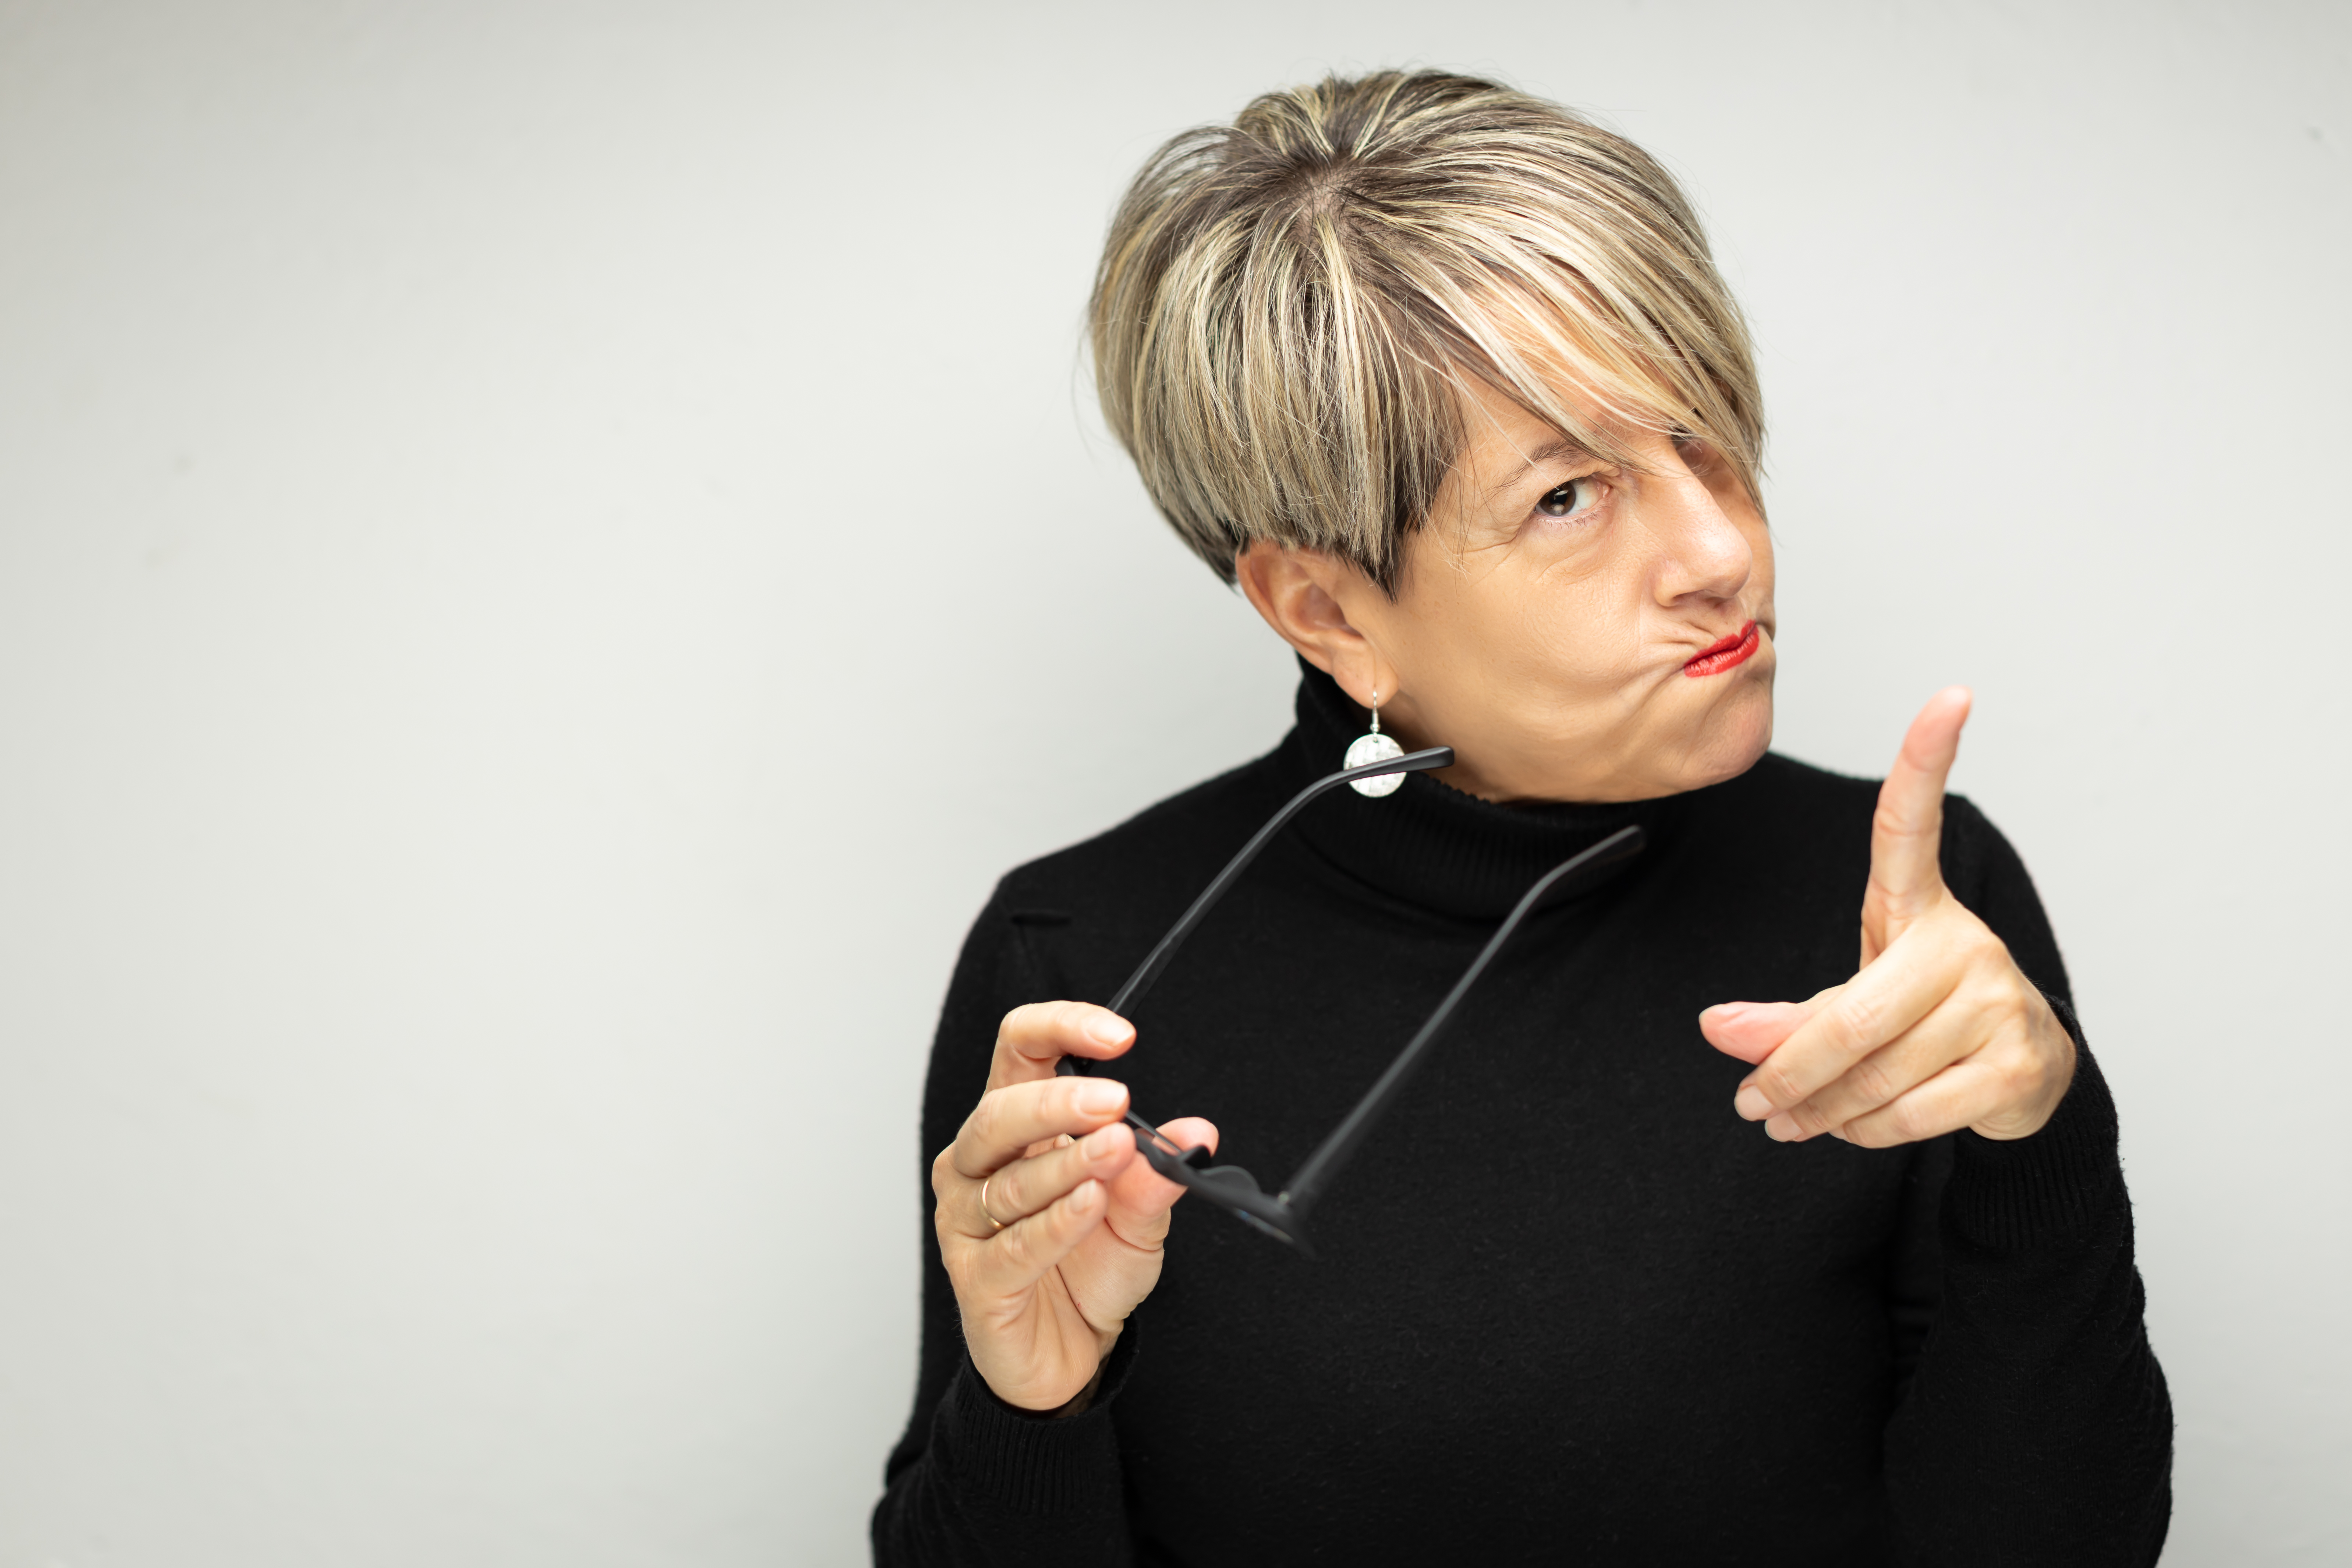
point(1050, 1225)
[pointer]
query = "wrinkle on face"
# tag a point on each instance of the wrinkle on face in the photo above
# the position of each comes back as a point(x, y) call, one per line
point(1549, 651)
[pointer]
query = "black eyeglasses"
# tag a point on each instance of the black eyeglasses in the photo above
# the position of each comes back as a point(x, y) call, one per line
point(1283, 1215)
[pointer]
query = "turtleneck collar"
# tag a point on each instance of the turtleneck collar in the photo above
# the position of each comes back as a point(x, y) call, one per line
point(1429, 844)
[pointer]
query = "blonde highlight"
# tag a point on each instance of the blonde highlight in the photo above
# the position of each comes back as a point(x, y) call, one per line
point(1289, 308)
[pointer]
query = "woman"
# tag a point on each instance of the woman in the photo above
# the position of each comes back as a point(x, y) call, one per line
point(1444, 379)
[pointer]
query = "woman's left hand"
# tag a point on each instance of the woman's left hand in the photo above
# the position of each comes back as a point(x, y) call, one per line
point(1938, 1030)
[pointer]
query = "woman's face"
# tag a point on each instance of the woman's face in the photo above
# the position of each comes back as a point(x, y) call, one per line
point(1574, 630)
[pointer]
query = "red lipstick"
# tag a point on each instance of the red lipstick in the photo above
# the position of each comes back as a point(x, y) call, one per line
point(1732, 651)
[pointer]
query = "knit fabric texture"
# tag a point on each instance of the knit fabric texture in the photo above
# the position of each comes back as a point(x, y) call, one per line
point(1568, 1306)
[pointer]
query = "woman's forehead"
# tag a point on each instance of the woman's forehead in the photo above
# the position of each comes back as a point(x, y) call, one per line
point(1502, 439)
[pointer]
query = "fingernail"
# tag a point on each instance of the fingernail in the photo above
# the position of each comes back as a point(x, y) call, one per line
point(1107, 1031)
point(1750, 1102)
point(1724, 1010)
point(1101, 1141)
point(1101, 1099)
point(1782, 1130)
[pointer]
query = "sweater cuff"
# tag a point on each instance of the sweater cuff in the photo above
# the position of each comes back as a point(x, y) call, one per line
point(1027, 1464)
point(2016, 1193)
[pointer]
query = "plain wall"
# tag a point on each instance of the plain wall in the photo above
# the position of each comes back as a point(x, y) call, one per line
point(550, 554)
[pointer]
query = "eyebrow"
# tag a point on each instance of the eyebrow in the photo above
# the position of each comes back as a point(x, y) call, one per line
point(1560, 448)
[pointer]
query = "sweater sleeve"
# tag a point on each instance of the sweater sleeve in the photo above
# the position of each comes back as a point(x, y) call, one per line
point(973, 1481)
point(2036, 1427)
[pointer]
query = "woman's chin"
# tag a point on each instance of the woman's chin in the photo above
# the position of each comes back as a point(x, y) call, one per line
point(1736, 740)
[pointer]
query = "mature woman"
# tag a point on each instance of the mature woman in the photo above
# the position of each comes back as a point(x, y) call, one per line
point(1655, 1262)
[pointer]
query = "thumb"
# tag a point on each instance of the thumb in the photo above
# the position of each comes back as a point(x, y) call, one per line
point(1906, 872)
point(1140, 1193)
point(1754, 1030)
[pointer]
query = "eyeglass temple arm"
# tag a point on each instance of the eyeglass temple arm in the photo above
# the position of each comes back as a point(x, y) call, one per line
point(1323, 1166)
point(1157, 959)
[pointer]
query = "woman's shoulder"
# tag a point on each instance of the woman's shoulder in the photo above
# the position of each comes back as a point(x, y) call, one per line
point(1160, 851)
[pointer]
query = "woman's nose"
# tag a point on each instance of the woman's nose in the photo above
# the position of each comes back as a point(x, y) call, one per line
point(1705, 551)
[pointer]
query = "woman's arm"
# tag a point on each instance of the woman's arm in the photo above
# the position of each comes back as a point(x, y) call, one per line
point(2036, 1427)
point(976, 1478)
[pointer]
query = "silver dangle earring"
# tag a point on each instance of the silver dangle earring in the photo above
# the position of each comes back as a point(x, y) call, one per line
point(1374, 747)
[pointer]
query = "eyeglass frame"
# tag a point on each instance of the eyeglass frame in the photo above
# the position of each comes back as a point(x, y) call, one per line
point(1283, 1215)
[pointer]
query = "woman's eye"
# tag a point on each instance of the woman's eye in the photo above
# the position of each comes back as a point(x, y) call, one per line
point(1570, 498)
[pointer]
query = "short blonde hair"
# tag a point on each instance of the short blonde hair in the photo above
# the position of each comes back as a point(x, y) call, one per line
point(1288, 307)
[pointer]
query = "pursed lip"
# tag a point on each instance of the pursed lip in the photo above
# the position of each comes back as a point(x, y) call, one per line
point(1733, 650)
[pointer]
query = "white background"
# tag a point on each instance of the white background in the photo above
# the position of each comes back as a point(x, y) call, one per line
point(550, 554)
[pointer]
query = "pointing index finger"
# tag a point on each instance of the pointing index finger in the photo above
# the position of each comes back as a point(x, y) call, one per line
point(1907, 831)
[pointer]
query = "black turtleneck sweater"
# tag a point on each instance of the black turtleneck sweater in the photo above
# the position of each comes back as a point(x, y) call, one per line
point(1568, 1306)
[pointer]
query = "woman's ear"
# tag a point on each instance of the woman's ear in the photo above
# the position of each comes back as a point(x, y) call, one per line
point(1300, 592)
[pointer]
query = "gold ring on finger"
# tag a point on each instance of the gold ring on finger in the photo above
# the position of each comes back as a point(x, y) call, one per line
point(993, 1223)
